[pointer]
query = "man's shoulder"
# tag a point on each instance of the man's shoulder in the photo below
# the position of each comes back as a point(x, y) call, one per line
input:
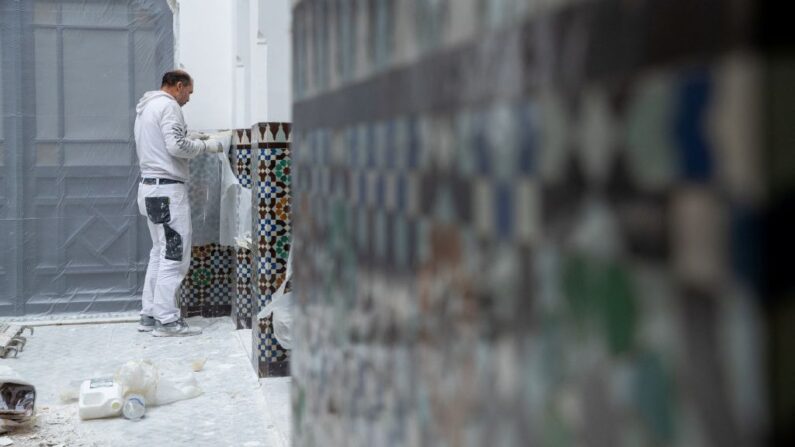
point(161, 105)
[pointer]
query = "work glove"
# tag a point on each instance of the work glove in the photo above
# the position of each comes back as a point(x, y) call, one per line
point(218, 142)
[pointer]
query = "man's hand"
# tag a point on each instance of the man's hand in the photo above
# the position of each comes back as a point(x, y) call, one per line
point(225, 137)
point(218, 142)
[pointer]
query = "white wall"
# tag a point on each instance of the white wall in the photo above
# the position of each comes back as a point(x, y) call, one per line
point(238, 52)
point(275, 22)
point(204, 41)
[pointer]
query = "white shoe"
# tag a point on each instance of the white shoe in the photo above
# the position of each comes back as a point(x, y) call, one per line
point(147, 324)
point(178, 328)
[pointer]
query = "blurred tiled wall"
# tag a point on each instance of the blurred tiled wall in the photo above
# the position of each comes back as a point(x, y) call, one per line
point(243, 298)
point(531, 223)
point(272, 232)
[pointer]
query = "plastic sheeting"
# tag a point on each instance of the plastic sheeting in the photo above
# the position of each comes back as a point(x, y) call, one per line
point(71, 72)
point(204, 190)
point(235, 209)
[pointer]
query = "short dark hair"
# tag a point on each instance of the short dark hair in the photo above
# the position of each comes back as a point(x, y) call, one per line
point(175, 76)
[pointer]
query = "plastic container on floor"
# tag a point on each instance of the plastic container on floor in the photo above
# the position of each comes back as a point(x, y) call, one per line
point(100, 398)
point(134, 407)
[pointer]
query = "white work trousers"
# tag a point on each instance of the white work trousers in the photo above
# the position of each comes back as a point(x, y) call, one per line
point(167, 210)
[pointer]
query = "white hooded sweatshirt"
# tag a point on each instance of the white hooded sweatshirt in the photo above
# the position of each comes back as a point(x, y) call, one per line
point(161, 138)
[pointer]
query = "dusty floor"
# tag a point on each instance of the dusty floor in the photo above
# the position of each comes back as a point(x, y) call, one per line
point(235, 410)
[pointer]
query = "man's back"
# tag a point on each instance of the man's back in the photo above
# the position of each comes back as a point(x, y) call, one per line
point(157, 116)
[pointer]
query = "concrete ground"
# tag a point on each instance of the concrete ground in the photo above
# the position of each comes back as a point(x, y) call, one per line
point(236, 409)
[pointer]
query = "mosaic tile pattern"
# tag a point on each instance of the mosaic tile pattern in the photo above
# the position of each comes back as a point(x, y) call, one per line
point(243, 299)
point(209, 284)
point(240, 156)
point(242, 303)
point(271, 162)
point(540, 235)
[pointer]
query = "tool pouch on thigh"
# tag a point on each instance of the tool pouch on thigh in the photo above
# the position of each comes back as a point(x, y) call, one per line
point(157, 210)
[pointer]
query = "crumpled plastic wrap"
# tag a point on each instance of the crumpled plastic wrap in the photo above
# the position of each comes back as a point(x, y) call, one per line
point(160, 383)
point(235, 209)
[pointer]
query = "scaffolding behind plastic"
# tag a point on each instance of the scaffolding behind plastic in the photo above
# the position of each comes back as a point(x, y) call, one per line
point(71, 238)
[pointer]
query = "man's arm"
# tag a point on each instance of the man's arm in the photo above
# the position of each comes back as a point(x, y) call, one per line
point(175, 133)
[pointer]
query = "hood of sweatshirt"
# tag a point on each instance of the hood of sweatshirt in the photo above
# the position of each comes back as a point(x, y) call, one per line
point(148, 97)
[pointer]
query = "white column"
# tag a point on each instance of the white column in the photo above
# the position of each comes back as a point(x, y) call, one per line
point(242, 45)
point(204, 43)
point(259, 62)
point(275, 23)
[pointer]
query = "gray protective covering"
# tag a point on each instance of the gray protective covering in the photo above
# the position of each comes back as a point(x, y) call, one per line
point(71, 71)
point(204, 190)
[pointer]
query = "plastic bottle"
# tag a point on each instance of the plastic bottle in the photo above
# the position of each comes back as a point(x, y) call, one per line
point(100, 398)
point(134, 407)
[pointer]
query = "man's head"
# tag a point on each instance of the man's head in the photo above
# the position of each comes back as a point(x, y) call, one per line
point(178, 84)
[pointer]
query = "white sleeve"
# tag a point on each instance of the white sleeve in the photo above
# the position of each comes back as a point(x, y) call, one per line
point(175, 133)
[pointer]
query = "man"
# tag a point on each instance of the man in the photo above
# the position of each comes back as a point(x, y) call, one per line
point(164, 150)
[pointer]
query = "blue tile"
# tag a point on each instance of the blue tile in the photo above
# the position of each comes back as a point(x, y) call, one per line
point(402, 185)
point(503, 207)
point(391, 145)
point(362, 179)
point(369, 138)
point(413, 159)
point(528, 138)
point(690, 127)
point(351, 141)
point(380, 190)
point(480, 146)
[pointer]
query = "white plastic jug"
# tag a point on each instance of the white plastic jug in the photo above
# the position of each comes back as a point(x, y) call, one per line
point(100, 398)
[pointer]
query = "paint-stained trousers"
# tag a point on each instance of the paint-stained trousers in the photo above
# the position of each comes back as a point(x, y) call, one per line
point(167, 210)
